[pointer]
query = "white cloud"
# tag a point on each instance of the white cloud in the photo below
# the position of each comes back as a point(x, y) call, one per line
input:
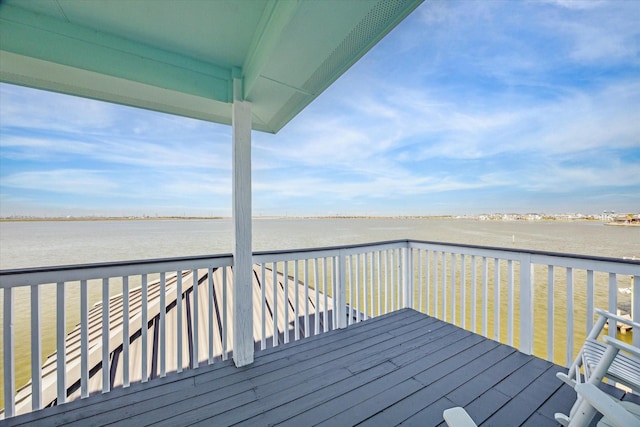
point(173, 187)
point(557, 178)
point(466, 96)
point(119, 150)
point(607, 36)
point(70, 181)
point(600, 119)
point(577, 4)
point(35, 109)
point(398, 183)
point(198, 185)
point(61, 125)
point(392, 143)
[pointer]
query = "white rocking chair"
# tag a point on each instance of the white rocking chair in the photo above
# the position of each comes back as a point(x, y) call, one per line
point(624, 369)
point(590, 399)
point(458, 417)
point(615, 413)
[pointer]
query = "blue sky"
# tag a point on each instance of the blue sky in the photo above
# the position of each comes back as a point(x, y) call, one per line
point(466, 107)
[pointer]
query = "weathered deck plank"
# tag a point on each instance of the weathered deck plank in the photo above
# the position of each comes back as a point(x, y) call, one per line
point(403, 368)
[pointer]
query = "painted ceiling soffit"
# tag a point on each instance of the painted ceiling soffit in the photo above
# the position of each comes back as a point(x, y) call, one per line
point(286, 65)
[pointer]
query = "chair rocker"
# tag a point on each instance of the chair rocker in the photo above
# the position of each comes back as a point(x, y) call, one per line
point(590, 399)
point(624, 369)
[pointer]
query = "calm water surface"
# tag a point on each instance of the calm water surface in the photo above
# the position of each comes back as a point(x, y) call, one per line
point(37, 244)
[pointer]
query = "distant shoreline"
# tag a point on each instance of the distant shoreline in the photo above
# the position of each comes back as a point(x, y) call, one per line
point(190, 218)
point(106, 218)
point(549, 218)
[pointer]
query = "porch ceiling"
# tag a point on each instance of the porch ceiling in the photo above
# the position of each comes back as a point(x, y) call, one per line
point(180, 57)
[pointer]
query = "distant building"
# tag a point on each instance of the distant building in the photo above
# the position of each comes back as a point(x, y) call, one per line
point(626, 219)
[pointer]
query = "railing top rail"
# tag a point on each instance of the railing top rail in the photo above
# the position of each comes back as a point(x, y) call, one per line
point(536, 253)
point(108, 264)
point(51, 274)
point(330, 250)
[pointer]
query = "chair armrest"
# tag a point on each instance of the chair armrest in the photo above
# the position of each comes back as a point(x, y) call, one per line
point(458, 417)
point(617, 318)
point(608, 407)
point(622, 345)
point(565, 378)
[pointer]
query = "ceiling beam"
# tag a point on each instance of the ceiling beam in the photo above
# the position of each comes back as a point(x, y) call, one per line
point(276, 17)
point(39, 74)
point(53, 40)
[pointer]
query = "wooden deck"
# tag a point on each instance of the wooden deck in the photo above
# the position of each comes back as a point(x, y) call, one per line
point(401, 368)
point(275, 298)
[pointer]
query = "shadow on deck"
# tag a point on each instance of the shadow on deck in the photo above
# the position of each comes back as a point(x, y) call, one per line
point(401, 368)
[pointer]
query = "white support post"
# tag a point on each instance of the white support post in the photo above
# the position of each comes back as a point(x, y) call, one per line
point(125, 332)
point(61, 333)
point(242, 262)
point(8, 357)
point(195, 321)
point(36, 345)
point(106, 367)
point(613, 300)
point(570, 310)
point(635, 306)
point(342, 290)
point(526, 305)
point(84, 339)
point(407, 276)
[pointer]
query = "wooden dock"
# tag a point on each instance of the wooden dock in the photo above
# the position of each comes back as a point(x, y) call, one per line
point(403, 368)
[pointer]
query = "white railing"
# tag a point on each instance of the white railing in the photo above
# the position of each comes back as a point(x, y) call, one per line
point(542, 303)
point(529, 297)
point(346, 284)
point(68, 293)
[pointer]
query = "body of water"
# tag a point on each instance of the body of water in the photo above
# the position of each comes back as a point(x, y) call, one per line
point(47, 243)
point(50, 243)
